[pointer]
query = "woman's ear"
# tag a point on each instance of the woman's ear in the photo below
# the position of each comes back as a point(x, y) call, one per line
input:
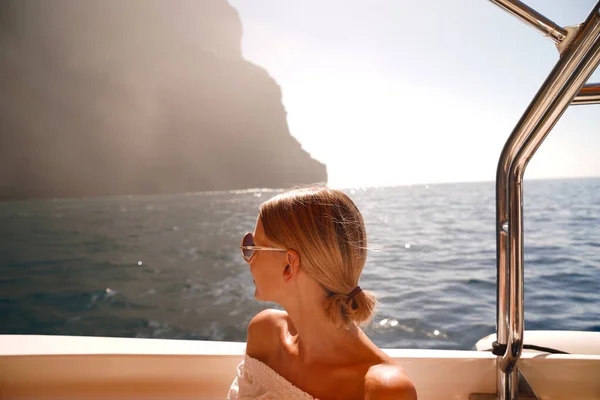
point(292, 266)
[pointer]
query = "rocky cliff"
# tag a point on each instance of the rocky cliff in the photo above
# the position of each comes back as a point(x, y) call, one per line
point(137, 97)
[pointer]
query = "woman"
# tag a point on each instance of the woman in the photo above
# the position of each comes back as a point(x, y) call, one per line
point(307, 252)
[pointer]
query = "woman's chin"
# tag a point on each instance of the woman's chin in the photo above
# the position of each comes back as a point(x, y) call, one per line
point(259, 296)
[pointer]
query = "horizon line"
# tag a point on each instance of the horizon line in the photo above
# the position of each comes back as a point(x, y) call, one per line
point(267, 190)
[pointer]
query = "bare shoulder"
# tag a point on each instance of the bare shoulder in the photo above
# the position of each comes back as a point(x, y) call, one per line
point(388, 381)
point(263, 333)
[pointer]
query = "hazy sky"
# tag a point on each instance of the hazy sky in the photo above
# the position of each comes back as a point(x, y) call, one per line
point(390, 92)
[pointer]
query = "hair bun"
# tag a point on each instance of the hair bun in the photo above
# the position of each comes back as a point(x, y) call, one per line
point(343, 309)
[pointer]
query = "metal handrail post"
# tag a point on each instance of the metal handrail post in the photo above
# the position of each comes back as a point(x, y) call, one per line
point(573, 69)
point(589, 94)
point(534, 19)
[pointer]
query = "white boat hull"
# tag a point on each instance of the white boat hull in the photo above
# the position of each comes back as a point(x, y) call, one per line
point(33, 366)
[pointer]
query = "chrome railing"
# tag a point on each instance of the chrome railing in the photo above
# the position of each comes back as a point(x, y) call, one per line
point(589, 94)
point(579, 57)
point(533, 18)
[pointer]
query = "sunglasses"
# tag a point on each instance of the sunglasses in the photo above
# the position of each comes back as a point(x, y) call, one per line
point(248, 247)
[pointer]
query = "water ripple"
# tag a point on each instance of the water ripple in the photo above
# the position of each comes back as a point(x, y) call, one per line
point(169, 266)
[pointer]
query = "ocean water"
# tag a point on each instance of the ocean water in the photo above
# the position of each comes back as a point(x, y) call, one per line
point(169, 266)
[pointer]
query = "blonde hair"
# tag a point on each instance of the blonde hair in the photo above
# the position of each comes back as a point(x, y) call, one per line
point(327, 230)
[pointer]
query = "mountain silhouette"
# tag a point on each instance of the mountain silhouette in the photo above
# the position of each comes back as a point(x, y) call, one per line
point(137, 97)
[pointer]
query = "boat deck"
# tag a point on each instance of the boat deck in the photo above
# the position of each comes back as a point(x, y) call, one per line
point(69, 367)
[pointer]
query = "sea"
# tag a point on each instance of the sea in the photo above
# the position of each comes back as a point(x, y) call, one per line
point(169, 266)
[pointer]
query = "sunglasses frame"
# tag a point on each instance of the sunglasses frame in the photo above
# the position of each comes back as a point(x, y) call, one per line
point(255, 248)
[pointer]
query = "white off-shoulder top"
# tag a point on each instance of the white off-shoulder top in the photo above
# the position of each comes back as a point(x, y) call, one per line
point(256, 381)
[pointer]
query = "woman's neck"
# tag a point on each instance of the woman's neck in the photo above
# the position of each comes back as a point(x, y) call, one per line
point(312, 337)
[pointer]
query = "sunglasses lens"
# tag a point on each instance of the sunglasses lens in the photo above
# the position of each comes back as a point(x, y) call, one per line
point(248, 241)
